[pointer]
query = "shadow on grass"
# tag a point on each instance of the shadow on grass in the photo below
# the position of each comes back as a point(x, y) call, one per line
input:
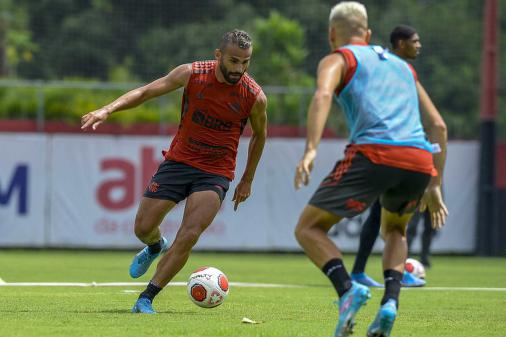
point(105, 311)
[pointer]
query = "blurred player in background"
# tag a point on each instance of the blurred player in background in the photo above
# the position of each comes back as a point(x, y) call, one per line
point(388, 158)
point(426, 237)
point(406, 44)
point(218, 100)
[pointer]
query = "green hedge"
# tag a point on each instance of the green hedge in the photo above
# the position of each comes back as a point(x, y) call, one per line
point(68, 105)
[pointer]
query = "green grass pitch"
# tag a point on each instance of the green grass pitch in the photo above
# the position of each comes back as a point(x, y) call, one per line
point(438, 310)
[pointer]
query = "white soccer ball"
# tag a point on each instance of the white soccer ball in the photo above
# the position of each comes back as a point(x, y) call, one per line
point(208, 287)
point(415, 267)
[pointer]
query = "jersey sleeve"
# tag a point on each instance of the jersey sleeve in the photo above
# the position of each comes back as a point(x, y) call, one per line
point(351, 67)
point(413, 71)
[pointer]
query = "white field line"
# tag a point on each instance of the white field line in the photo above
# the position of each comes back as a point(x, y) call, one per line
point(2, 281)
point(459, 289)
point(132, 284)
point(234, 284)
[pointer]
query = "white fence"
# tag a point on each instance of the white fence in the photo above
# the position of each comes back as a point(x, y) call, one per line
point(83, 191)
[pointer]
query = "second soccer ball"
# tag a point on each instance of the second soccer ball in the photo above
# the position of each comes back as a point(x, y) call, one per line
point(415, 267)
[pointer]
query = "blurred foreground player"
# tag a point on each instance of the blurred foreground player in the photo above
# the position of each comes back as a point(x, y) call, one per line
point(388, 158)
point(406, 44)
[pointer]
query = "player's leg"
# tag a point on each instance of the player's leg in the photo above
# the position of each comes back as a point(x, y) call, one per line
point(412, 230)
point(345, 192)
point(399, 202)
point(147, 222)
point(147, 228)
point(368, 235)
point(428, 234)
point(311, 233)
point(206, 193)
point(166, 189)
point(149, 216)
point(395, 251)
point(393, 227)
point(408, 279)
point(201, 208)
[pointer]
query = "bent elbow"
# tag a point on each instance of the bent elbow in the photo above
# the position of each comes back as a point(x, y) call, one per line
point(441, 128)
point(322, 96)
point(260, 133)
point(437, 132)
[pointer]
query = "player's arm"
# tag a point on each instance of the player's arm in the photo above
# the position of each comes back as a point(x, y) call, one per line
point(435, 128)
point(175, 79)
point(258, 121)
point(329, 76)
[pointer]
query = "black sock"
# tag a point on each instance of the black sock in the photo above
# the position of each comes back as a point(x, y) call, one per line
point(151, 291)
point(336, 272)
point(368, 235)
point(155, 247)
point(393, 280)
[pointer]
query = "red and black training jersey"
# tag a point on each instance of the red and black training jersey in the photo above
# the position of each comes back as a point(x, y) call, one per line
point(213, 117)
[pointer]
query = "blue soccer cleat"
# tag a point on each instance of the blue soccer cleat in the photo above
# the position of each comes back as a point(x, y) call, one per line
point(141, 262)
point(410, 280)
point(349, 304)
point(384, 321)
point(143, 306)
point(365, 280)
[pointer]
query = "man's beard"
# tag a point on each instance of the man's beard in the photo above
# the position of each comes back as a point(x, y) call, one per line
point(226, 75)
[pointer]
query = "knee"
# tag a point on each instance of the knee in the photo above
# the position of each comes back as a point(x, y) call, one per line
point(141, 229)
point(299, 233)
point(140, 232)
point(303, 232)
point(388, 230)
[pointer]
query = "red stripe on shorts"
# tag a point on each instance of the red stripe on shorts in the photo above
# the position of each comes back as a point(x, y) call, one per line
point(341, 168)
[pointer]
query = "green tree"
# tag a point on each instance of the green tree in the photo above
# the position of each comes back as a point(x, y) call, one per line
point(448, 66)
point(16, 43)
point(162, 48)
point(279, 51)
point(130, 40)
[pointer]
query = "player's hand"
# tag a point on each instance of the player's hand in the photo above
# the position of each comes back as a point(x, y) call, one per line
point(433, 201)
point(94, 119)
point(241, 193)
point(303, 170)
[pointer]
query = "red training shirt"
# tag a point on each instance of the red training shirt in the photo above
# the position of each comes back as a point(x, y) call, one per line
point(213, 117)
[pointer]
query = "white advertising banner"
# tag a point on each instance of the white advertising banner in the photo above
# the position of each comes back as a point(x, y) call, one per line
point(97, 181)
point(23, 189)
point(97, 184)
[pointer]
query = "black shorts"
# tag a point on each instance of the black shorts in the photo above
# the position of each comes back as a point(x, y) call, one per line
point(176, 181)
point(356, 182)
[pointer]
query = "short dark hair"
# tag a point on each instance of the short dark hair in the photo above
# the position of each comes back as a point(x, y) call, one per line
point(401, 32)
point(237, 37)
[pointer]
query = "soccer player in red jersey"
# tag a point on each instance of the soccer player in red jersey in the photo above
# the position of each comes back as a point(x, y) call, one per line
point(218, 100)
point(389, 157)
